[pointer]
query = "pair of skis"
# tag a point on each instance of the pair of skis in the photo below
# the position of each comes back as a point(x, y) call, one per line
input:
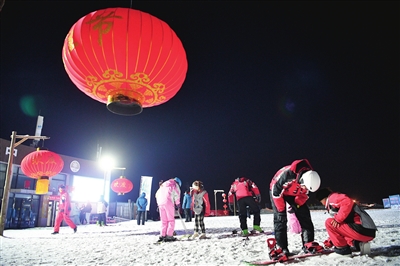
point(272, 245)
point(235, 233)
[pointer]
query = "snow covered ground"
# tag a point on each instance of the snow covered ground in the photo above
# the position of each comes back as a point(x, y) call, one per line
point(126, 243)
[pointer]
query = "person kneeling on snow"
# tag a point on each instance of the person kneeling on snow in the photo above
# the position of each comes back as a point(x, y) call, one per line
point(349, 227)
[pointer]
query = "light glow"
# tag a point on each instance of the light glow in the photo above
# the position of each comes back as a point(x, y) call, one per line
point(87, 189)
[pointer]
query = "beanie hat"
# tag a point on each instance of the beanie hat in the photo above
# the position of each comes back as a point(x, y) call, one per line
point(323, 193)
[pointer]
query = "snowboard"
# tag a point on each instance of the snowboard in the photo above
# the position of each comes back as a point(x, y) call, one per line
point(293, 258)
point(238, 234)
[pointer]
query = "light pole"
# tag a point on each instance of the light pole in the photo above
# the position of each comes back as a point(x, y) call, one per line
point(7, 181)
point(215, 198)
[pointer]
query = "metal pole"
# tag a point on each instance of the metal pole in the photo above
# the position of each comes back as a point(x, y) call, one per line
point(234, 205)
point(7, 184)
point(215, 199)
point(7, 181)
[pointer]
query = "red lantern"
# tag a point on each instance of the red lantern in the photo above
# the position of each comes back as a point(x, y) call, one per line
point(126, 58)
point(223, 195)
point(121, 185)
point(42, 165)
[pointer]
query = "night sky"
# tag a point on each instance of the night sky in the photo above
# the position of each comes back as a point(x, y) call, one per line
point(267, 83)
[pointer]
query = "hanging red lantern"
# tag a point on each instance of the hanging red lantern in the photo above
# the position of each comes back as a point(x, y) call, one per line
point(126, 58)
point(121, 185)
point(41, 165)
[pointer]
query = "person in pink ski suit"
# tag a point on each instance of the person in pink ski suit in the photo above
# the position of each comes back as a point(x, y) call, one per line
point(168, 198)
point(64, 209)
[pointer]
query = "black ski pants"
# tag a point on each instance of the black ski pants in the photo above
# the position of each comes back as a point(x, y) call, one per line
point(280, 222)
point(254, 209)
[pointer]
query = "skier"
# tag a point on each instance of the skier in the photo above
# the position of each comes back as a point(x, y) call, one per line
point(291, 184)
point(141, 203)
point(350, 227)
point(187, 201)
point(201, 207)
point(247, 195)
point(64, 208)
point(102, 206)
point(168, 200)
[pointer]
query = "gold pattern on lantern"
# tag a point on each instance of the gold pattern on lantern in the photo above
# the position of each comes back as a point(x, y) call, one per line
point(103, 26)
point(70, 38)
point(137, 87)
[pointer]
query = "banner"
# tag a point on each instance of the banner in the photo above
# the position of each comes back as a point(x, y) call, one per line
point(145, 186)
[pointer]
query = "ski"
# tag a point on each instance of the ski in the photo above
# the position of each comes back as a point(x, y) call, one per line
point(290, 259)
point(251, 233)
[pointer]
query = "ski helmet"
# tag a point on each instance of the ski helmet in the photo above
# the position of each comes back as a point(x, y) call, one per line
point(177, 180)
point(311, 180)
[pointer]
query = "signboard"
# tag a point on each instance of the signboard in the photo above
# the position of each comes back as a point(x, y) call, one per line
point(386, 203)
point(395, 201)
point(145, 186)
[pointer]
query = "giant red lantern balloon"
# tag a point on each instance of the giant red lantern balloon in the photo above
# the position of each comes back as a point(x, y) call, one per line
point(121, 185)
point(126, 58)
point(42, 165)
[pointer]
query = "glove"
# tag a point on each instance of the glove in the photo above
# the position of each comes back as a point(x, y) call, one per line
point(258, 198)
point(282, 217)
point(328, 243)
point(230, 207)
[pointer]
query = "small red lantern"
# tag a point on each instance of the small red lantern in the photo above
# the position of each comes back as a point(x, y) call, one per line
point(42, 165)
point(223, 195)
point(126, 58)
point(121, 185)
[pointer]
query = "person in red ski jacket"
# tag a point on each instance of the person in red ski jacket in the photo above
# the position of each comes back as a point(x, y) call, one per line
point(64, 209)
point(350, 226)
point(248, 195)
point(291, 185)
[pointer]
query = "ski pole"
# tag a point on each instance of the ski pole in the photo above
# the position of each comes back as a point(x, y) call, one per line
point(184, 226)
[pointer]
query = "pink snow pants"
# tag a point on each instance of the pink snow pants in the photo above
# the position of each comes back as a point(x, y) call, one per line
point(344, 234)
point(167, 217)
point(60, 217)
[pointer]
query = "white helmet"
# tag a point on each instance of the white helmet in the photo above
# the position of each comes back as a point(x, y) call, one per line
point(311, 180)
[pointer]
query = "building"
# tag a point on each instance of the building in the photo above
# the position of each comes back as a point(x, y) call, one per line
point(84, 178)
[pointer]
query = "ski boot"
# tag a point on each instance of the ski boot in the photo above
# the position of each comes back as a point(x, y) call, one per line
point(245, 232)
point(258, 229)
point(275, 253)
point(363, 247)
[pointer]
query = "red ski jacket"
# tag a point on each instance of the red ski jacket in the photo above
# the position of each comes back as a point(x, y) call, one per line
point(345, 211)
point(64, 203)
point(243, 187)
point(286, 183)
